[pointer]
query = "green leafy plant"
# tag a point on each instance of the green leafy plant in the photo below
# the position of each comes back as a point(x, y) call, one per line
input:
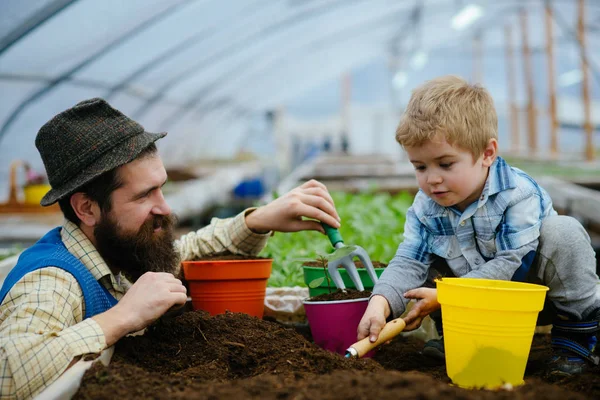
point(374, 221)
point(315, 283)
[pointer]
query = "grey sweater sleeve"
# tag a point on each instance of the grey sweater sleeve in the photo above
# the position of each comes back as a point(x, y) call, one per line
point(402, 274)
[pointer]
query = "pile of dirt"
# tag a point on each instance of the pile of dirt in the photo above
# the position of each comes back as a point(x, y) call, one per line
point(235, 356)
point(385, 385)
point(195, 347)
point(403, 354)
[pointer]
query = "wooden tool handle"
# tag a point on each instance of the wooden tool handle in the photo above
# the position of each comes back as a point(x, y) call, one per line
point(390, 330)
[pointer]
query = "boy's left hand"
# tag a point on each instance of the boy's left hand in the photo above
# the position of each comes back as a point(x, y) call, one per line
point(425, 305)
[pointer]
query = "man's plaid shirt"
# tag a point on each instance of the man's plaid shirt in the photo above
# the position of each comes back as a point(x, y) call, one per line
point(41, 319)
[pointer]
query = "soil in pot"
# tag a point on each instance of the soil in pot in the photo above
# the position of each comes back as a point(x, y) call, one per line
point(234, 356)
point(358, 263)
point(338, 294)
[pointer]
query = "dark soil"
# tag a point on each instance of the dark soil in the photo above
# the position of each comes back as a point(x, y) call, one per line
point(538, 382)
point(234, 356)
point(358, 263)
point(339, 294)
point(192, 348)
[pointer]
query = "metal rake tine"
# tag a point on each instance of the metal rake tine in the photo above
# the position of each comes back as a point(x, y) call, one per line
point(366, 260)
point(334, 274)
point(353, 273)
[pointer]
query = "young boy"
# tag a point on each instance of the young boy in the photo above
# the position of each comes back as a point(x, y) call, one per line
point(477, 217)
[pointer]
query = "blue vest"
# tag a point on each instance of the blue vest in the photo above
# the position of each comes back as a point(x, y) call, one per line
point(50, 251)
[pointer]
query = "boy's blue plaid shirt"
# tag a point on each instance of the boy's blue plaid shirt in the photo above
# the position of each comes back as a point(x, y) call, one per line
point(488, 240)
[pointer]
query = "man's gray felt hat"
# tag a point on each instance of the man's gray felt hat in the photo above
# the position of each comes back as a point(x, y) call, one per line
point(85, 141)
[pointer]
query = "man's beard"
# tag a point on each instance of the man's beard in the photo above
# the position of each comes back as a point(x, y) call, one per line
point(134, 254)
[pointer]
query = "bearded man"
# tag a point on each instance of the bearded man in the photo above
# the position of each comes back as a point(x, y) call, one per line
point(112, 267)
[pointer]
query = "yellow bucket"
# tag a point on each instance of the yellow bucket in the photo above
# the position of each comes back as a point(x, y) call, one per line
point(488, 329)
point(35, 193)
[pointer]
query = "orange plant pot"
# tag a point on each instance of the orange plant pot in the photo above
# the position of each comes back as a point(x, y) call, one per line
point(234, 285)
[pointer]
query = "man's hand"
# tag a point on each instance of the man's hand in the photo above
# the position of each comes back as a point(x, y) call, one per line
point(285, 214)
point(425, 305)
point(373, 320)
point(150, 297)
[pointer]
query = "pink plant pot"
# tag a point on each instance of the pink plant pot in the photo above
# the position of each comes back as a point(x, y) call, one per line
point(333, 324)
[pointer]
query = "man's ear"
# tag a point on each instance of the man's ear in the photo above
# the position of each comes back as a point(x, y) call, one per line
point(490, 153)
point(86, 209)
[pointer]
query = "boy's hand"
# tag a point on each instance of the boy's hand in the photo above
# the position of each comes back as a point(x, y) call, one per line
point(425, 305)
point(374, 318)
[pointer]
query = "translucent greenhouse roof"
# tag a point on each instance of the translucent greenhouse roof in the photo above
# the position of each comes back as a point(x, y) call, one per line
point(202, 69)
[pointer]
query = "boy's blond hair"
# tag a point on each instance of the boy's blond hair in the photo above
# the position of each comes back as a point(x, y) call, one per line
point(449, 105)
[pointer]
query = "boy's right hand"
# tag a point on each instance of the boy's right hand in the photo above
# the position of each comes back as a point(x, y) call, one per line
point(374, 318)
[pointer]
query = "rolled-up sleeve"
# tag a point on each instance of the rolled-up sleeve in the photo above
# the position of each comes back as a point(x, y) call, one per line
point(230, 235)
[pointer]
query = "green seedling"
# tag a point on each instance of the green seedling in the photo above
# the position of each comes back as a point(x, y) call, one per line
point(322, 261)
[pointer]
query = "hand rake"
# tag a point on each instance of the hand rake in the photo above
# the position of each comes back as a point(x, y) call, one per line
point(343, 256)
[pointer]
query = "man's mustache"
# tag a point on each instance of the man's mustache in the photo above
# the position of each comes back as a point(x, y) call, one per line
point(164, 222)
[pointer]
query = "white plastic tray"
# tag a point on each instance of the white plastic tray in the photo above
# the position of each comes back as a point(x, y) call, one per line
point(67, 384)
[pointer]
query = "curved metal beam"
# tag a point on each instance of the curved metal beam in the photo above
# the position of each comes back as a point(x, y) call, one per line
point(67, 75)
point(33, 22)
point(266, 31)
point(87, 83)
point(363, 26)
point(155, 62)
point(199, 135)
point(355, 30)
point(168, 53)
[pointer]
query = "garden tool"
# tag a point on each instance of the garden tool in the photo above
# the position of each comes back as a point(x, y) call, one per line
point(343, 256)
point(389, 331)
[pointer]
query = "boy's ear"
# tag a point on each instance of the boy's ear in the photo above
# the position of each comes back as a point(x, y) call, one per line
point(87, 210)
point(490, 153)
